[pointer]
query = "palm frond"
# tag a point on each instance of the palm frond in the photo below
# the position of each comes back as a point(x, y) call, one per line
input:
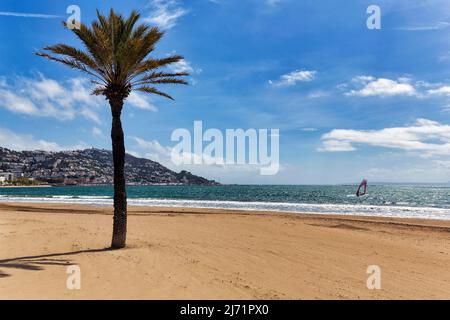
point(117, 54)
point(163, 81)
point(157, 75)
point(147, 89)
point(98, 91)
point(74, 53)
point(152, 64)
point(72, 63)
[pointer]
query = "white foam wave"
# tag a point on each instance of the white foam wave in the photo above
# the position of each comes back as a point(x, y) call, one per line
point(341, 209)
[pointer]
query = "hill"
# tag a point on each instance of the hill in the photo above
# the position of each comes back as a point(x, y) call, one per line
point(89, 166)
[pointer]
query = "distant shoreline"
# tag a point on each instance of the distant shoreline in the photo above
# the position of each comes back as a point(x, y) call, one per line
point(107, 185)
point(41, 186)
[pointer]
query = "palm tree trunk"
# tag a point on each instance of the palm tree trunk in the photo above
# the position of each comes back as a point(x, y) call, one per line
point(120, 196)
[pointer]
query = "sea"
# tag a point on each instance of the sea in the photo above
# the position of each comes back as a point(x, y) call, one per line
point(424, 201)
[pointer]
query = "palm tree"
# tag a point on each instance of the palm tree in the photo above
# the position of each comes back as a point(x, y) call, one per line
point(116, 58)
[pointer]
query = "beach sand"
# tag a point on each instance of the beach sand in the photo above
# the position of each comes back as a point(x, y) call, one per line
point(217, 254)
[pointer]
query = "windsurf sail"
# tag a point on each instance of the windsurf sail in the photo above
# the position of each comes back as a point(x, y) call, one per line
point(363, 184)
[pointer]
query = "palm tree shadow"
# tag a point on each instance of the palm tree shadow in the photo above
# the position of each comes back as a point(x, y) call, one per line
point(37, 263)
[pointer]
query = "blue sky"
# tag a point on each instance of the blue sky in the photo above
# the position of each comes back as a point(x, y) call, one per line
point(349, 102)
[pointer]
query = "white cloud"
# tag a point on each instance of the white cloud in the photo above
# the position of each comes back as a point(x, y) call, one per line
point(440, 91)
point(445, 108)
point(181, 66)
point(20, 142)
point(336, 146)
point(134, 153)
point(11, 140)
point(91, 115)
point(442, 163)
point(28, 15)
point(370, 86)
point(184, 66)
point(293, 77)
point(440, 25)
point(153, 150)
point(318, 94)
point(43, 97)
point(426, 137)
point(363, 79)
point(140, 101)
point(308, 129)
point(97, 133)
point(13, 102)
point(165, 13)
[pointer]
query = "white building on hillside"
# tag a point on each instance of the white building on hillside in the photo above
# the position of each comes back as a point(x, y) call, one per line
point(6, 176)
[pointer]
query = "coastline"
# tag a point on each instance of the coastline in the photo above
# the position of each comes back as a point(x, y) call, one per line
point(429, 202)
point(19, 187)
point(341, 209)
point(186, 253)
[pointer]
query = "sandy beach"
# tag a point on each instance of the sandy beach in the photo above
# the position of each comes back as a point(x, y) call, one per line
point(217, 254)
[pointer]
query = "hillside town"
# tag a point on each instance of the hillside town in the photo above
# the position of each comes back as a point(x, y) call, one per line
point(84, 167)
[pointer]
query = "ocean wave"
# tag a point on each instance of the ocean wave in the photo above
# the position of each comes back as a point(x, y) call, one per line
point(94, 197)
point(340, 209)
point(75, 197)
